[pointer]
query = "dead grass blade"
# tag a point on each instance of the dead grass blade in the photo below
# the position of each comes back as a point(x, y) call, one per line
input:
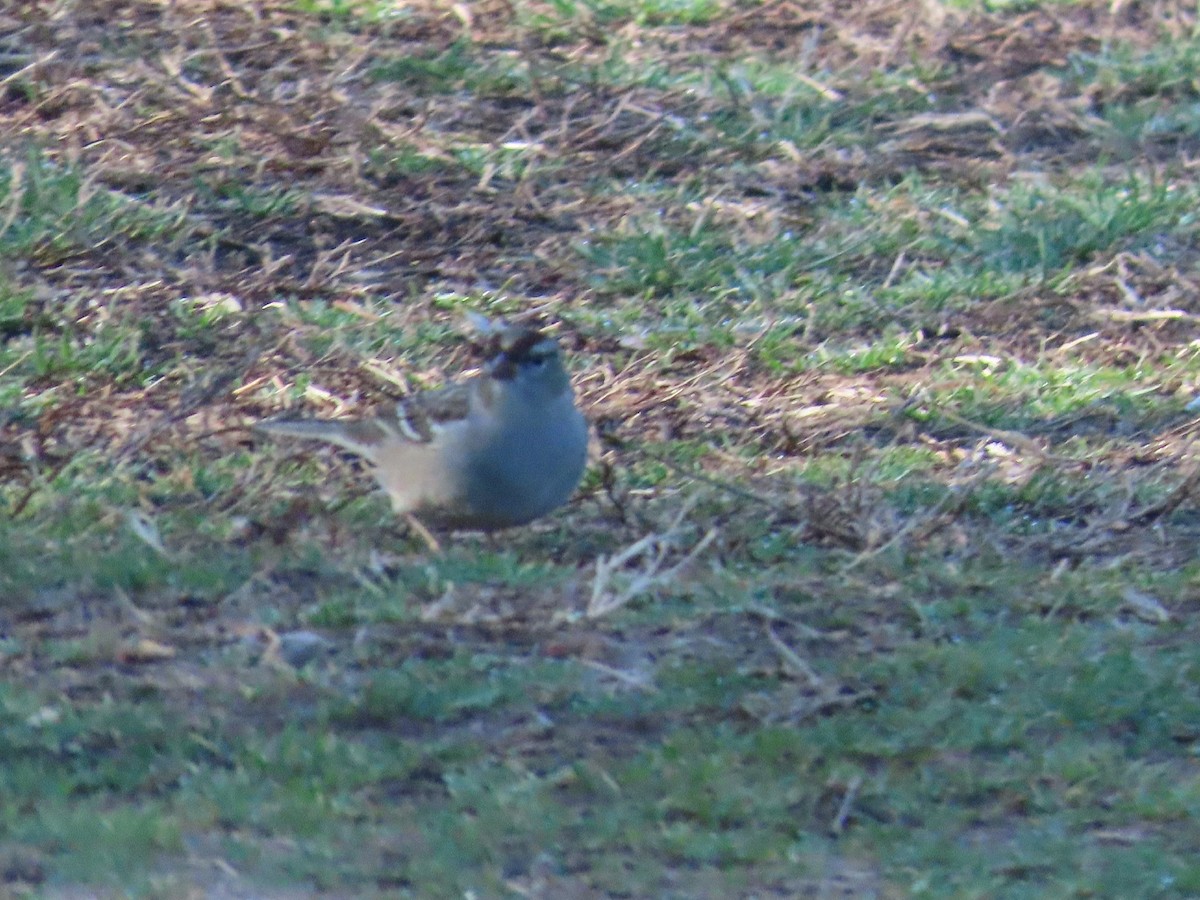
point(650, 554)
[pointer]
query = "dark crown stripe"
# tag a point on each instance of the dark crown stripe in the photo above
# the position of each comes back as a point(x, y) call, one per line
point(514, 346)
point(520, 344)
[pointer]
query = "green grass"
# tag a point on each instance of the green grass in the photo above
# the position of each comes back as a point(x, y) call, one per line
point(459, 66)
point(53, 210)
point(1044, 229)
point(1009, 712)
point(933, 404)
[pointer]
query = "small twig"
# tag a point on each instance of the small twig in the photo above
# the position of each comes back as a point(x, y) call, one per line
point(50, 474)
point(631, 680)
point(24, 70)
point(1013, 438)
point(653, 549)
point(769, 615)
point(838, 825)
point(620, 444)
point(957, 494)
point(142, 617)
point(897, 264)
point(16, 195)
point(223, 62)
point(793, 660)
point(1095, 537)
point(187, 405)
point(1168, 504)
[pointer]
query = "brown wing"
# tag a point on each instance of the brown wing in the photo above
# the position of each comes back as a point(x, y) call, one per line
point(420, 416)
point(362, 436)
point(415, 420)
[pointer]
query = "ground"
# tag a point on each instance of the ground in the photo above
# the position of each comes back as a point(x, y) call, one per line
point(882, 579)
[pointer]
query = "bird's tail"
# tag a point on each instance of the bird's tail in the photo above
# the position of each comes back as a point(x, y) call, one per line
point(360, 437)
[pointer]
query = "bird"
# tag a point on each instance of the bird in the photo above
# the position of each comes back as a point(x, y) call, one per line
point(495, 450)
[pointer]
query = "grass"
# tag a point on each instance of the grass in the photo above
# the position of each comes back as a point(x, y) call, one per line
point(902, 309)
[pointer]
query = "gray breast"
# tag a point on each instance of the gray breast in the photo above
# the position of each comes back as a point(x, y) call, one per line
point(529, 467)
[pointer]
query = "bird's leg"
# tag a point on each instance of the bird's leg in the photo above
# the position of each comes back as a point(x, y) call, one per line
point(423, 533)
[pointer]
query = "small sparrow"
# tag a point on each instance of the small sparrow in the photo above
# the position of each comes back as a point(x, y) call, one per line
point(498, 449)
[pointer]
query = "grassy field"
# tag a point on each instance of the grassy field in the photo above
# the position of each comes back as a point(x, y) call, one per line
point(882, 581)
